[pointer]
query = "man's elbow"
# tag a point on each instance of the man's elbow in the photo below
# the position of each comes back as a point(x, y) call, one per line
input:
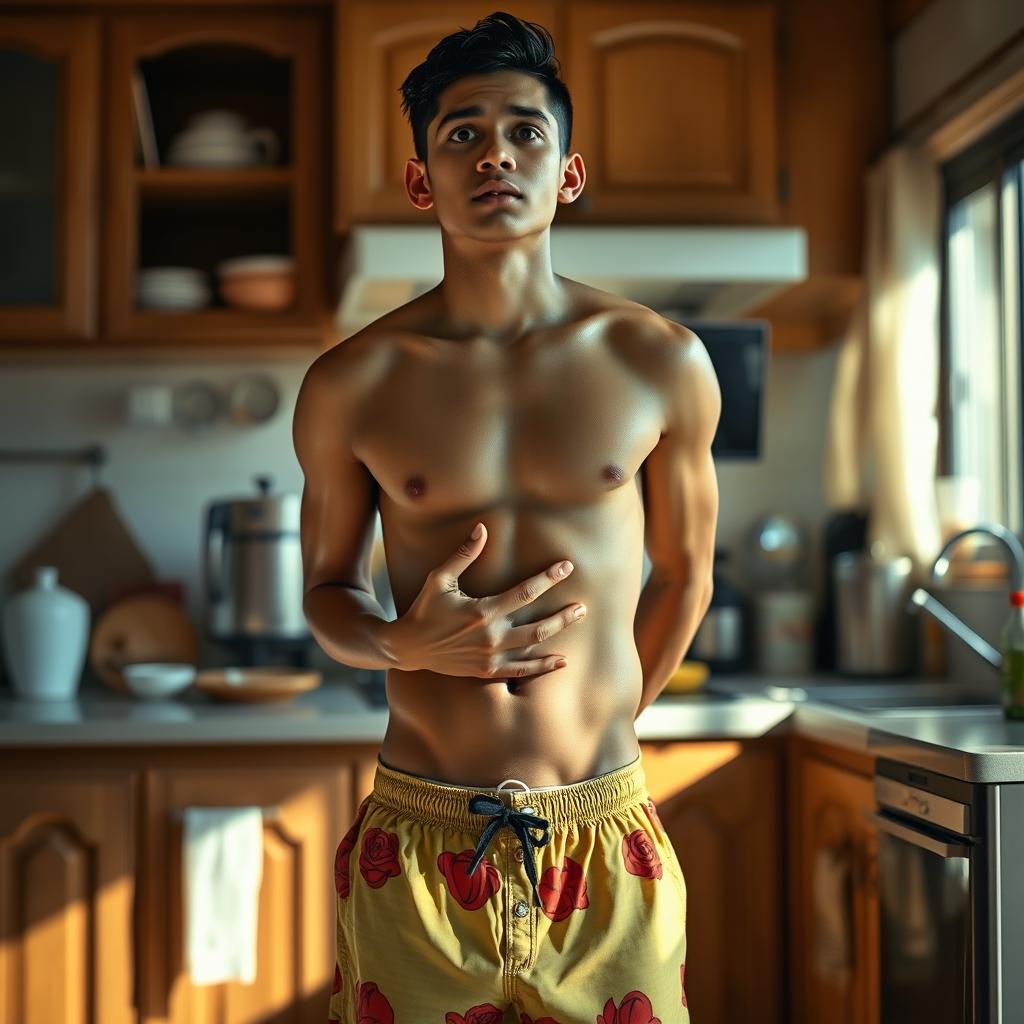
point(677, 575)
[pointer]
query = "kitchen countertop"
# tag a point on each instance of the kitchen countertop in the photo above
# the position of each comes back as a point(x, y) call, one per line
point(976, 744)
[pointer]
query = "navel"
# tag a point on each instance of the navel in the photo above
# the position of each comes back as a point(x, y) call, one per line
point(614, 473)
point(415, 486)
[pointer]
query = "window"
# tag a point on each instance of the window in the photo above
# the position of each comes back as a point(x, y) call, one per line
point(982, 340)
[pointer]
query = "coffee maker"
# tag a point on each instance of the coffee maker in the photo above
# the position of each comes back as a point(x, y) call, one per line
point(252, 571)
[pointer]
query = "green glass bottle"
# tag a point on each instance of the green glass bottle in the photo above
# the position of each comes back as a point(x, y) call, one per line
point(1011, 645)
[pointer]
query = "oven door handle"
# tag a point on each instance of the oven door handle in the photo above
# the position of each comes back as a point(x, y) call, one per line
point(944, 849)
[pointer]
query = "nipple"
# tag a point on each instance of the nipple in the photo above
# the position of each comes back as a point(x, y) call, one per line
point(415, 486)
point(613, 472)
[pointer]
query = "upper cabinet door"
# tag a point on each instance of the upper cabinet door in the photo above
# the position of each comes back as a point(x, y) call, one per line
point(378, 44)
point(49, 80)
point(674, 111)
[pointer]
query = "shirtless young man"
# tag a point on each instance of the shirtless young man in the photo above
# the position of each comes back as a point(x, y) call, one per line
point(509, 857)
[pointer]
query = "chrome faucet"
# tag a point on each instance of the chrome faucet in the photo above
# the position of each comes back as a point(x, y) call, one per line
point(920, 598)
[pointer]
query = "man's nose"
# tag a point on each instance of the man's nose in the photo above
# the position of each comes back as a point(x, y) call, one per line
point(496, 156)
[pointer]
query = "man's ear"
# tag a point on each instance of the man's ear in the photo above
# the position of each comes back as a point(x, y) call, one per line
point(574, 177)
point(417, 184)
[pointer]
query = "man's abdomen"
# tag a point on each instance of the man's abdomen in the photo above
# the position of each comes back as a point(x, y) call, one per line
point(548, 730)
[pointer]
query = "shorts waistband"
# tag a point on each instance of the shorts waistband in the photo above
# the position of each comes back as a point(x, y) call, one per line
point(447, 805)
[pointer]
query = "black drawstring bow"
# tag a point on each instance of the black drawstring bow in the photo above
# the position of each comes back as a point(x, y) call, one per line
point(520, 822)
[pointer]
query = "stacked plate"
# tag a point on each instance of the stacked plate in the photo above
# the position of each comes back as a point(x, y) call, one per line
point(178, 288)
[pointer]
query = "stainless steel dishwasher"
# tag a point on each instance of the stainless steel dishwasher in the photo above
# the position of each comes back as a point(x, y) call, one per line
point(951, 898)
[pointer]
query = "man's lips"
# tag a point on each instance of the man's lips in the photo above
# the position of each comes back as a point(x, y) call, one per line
point(502, 186)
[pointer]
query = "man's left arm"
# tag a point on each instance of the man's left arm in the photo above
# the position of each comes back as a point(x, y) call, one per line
point(681, 510)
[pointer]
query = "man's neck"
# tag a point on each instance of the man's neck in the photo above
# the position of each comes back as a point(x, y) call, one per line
point(499, 290)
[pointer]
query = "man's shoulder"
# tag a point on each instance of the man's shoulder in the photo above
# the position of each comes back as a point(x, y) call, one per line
point(646, 339)
point(354, 360)
point(667, 356)
point(630, 323)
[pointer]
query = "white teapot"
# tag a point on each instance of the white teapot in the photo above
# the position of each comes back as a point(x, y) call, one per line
point(219, 138)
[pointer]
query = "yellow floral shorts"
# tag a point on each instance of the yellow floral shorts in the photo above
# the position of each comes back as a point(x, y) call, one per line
point(465, 905)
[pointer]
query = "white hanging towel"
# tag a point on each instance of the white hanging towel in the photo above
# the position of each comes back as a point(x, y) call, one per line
point(222, 859)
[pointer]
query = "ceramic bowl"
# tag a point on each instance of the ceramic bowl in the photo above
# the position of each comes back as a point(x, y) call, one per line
point(262, 283)
point(158, 678)
point(273, 290)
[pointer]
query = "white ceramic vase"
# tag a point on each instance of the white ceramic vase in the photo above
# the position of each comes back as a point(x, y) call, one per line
point(46, 635)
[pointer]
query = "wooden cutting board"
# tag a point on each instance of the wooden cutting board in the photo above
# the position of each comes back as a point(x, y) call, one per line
point(144, 627)
point(94, 552)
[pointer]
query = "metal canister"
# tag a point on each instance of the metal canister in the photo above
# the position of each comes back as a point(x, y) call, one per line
point(876, 632)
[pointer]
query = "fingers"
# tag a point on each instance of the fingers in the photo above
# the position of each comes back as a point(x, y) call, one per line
point(537, 632)
point(527, 590)
point(464, 556)
point(535, 667)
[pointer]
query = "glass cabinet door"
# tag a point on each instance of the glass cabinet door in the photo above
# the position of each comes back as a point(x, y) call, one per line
point(48, 177)
point(29, 121)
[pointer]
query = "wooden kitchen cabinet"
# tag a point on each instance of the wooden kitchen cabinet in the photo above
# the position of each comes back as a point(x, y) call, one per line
point(309, 805)
point(267, 67)
point(833, 888)
point(721, 804)
point(91, 904)
point(71, 278)
point(674, 112)
point(49, 177)
point(67, 887)
point(673, 106)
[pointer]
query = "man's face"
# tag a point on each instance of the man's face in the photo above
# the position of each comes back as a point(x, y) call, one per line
point(467, 148)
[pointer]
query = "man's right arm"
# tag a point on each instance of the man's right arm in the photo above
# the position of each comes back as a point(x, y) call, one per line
point(339, 507)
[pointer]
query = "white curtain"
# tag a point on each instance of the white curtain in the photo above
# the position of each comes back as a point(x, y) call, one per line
point(883, 420)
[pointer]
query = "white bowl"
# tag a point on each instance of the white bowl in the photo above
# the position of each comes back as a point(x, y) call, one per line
point(157, 678)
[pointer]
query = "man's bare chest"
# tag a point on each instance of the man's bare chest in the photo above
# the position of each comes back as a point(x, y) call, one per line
point(561, 425)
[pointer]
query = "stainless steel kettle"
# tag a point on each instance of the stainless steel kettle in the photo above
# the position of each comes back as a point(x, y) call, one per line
point(253, 567)
point(920, 598)
point(874, 632)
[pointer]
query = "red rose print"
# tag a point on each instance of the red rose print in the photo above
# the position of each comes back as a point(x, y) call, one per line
point(525, 1019)
point(372, 1006)
point(563, 890)
point(378, 860)
point(640, 855)
point(336, 987)
point(485, 1013)
point(344, 849)
point(471, 891)
point(682, 971)
point(635, 1009)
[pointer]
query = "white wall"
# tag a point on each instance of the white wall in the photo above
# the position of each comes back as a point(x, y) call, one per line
point(162, 477)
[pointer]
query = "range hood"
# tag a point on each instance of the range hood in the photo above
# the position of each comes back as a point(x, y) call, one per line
point(706, 273)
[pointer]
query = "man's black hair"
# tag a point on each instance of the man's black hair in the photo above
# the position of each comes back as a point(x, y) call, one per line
point(499, 42)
